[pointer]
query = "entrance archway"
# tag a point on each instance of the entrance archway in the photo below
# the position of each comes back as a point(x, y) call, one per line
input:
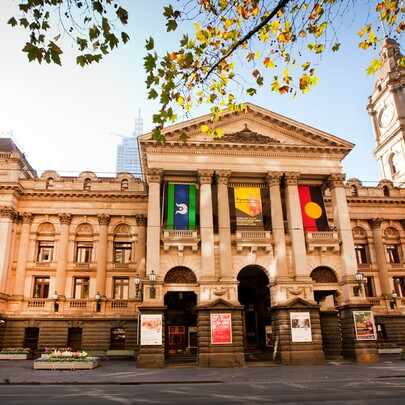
point(254, 295)
point(180, 317)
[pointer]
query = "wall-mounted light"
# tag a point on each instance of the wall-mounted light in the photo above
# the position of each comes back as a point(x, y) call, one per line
point(138, 288)
point(55, 302)
point(152, 279)
point(98, 298)
point(359, 278)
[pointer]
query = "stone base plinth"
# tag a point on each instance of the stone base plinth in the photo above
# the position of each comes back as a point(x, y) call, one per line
point(151, 360)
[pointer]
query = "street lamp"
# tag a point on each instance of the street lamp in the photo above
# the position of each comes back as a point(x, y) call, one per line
point(152, 279)
point(393, 303)
point(359, 278)
point(98, 298)
point(55, 303)
point(138, 288)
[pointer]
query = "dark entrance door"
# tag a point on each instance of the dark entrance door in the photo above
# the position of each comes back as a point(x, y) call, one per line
point(31, 339)
point(75, 338)
point(254, 295)
point(181, 320)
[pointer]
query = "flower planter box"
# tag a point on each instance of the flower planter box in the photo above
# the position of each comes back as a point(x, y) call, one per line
point(15, 356)
point(393, 350)
point(66, 365)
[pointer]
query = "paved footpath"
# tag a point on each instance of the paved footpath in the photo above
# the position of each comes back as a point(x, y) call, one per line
point(21, 372)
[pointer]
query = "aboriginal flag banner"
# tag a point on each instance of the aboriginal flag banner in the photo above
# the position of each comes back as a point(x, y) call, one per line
point(248, 206)
point(313, 209)
point(181, 204)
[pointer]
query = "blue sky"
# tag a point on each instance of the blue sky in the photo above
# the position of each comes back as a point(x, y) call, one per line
point(63, 118)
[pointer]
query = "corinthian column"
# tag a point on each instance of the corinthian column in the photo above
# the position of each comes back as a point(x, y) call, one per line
point(103, 221)
point(60, 282)
point(295, 225)
point(153, 234)
point(206, 225)
point(379, 247)
point(277, 224)
point(224, 224)
point(26, 219)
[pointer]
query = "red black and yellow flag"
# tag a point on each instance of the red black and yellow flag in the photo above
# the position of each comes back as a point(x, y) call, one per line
point(313, 209)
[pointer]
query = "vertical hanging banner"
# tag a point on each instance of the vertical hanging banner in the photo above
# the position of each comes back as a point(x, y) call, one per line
point(248, 206)
point(181, 204)
point(313, 209)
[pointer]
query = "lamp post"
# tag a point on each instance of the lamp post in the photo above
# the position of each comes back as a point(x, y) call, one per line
point(138, 288)
point(359, 279)
point(393, 303)
point(152, 279)
point(98, 298)
point(55, 303)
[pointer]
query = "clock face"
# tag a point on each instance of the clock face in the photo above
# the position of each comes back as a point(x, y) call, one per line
point(386, 115)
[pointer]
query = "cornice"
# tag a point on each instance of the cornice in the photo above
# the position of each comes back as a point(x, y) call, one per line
point(86, 196)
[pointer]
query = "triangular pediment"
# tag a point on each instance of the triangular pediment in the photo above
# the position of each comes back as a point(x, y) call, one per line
point(253, 126)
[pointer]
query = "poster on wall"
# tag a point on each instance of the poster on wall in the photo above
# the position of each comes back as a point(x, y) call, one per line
point(300, 327)
point(248, 206)
point(365, 326)
point(151, 329)
point(221, 328)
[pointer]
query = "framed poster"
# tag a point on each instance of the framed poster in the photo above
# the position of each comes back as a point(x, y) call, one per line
point(221, 328)
point(364, 325)
point(300, 327)
point(151, 329)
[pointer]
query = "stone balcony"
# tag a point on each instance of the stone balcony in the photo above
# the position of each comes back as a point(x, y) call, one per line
point(180, 239)
point(253, 240)
point(323, 241)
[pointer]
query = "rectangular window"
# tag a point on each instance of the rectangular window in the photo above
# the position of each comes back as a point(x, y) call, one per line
point(122, 252)
point(83, 252)
point(117, 339)
point(361, 253)
point(82, 286)
point(369, 287)
point(121, 288)
point(45, 251)
point(41, 287)
point(392, 253)
point(399, 286)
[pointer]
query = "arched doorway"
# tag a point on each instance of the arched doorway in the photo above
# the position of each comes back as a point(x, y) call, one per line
point(180, 317)
point(325, 293)
point(254, 295)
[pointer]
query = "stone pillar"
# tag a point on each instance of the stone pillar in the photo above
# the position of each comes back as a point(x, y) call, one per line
point(103, 221)
point(206, 226)
point(152, 356)
point(224, 225)
point(277, 223)
point(362, 351)
point(8, 218)
point(379, 249)
point(60, 282)
point(26, 218)
point(153, 233)
point(341, 220)
point(140, 246)
point(220, 355)
point(295, 225)
point(292, 353)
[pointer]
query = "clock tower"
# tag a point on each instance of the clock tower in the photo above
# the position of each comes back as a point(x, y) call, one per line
point(387, 109)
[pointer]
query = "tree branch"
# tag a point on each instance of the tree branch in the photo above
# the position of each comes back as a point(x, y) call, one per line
point(280, 5)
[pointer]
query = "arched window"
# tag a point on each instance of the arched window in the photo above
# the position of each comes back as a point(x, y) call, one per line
point(50, 183)
point(355, 192)
point(124, 184)
point(87, 184)
point(386, 191)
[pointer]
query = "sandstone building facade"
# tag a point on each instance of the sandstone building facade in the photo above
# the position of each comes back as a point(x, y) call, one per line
point(251, 244)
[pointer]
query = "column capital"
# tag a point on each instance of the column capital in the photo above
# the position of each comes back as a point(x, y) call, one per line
point(273, 178)
point(291, 178)
point(336, 180)
point(375, 223)
point(26, 218)
point(103, 219)
point(154, 175)
point(65, 219)
point(222, 176)
point(205, 176)
point(9, 212)
point(141, 220)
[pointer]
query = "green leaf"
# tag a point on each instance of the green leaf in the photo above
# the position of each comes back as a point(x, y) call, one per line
point(150, 44)
point(171, 25)
point(124, 37)
point(33, 52)
point(122, 15)
point(12, 21)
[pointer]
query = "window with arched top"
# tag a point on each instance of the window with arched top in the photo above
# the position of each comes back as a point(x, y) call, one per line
point(122, 244)
point(355, 191)
point(392, 245)
point(386, 191)
point(124, 184)
point(323, 274)
point(84, 243)
point(50, 183)
point(181, 275)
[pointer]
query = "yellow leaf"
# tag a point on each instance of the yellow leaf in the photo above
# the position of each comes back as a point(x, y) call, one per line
point(268, 63)
point(204, 128)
